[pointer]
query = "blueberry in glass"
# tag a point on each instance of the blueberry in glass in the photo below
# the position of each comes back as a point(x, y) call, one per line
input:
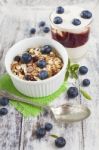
point(26, 58)
point(60, 10)
point(86, 14)
point(57, 20)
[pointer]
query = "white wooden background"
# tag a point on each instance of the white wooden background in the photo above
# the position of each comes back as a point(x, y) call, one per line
point(16, 132)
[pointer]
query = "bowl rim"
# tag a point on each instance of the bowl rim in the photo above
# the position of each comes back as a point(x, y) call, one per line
point(38, 81)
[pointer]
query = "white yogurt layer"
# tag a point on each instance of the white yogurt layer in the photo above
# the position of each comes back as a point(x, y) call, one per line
point(70, 12)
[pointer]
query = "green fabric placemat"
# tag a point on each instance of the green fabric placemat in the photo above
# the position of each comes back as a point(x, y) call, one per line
point(25, 109)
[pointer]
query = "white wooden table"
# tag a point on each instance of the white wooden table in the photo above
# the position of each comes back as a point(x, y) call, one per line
point(16, 133)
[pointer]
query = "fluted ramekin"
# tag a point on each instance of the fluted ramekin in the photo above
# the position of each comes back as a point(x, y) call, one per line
point(39, 88)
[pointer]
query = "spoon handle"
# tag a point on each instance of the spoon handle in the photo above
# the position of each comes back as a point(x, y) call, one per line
point(20, 99)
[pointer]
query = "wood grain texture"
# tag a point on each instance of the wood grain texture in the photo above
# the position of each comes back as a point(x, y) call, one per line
point(16, 132)
point(42, 2)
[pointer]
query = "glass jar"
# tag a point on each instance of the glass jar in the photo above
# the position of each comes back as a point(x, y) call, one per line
point(74, 38)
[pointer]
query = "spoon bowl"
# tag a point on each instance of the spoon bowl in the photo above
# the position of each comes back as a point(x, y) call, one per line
point(70, 112)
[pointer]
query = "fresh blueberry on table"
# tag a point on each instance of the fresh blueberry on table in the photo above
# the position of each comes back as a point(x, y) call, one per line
point(60, 142)
point(57, 20)
point(72, 92)
point(48, 126)
point(76, 22)
point(43, 74)
point(40, 133)
point(46, 29)
point(86, 82)
point(46, 49)
point(60, 10)
point(32, 30)
point(17, 58)
point(26, 58)
point(4, 101)
point(83, 70)
point(3, 111)
point(86, 14)
point(42, 23)
point(41, 63)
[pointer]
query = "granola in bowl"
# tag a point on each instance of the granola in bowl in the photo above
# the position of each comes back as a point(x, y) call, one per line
point(37, 63)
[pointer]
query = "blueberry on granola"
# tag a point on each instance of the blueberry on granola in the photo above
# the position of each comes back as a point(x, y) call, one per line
point(46, 49)
point(43, 74)
point(26, 58)
point(27, 77)
point(17, 58)
point(41, 63)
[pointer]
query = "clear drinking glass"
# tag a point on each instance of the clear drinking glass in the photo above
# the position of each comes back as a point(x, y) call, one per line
point(74, 39)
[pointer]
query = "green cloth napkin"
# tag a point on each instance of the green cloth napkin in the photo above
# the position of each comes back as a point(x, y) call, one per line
point(25, 109)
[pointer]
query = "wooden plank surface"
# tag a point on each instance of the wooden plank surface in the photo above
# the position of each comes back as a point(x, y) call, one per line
point(16, 133)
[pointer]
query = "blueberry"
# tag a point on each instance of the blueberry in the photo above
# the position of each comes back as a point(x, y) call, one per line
point(33, 31)
point(26, 58)
point(60, 142)
point(72, 92)
point(17, 58)
point(83, 70)
point(40, 133)
point(27, 77)
point(3, 111)
point(46, 29)
point(4, 101)
point(86, 14)
point(42, 24)
point(41, 63)
point(57, 20)
point(76, 22)
point(43, 74)
point(48, 126)
point(86, 82)
point(46, 49)
point(60, 10)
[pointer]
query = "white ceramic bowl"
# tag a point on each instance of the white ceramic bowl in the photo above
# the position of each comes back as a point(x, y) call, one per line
point(42, 87)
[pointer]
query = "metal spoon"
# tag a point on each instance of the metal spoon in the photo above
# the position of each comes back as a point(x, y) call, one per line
point(64, 113)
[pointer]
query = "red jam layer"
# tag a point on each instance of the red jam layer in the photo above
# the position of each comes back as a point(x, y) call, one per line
point(70, 40)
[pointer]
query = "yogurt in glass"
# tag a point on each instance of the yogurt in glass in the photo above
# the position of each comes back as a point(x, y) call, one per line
point(70, 25)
